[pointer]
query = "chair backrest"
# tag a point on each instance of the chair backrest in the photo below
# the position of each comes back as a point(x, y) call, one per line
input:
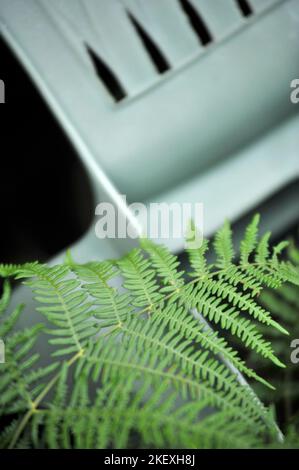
point(153, 90)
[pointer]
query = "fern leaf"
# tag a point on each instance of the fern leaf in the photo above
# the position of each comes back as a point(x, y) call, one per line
point(262, 251)
point(249, 242)
point(289, 273)
point(166, 265)
point(197, 256)
point(110, 306)
point(223, 246)
point(214, 309)
point(167, 377)
point(9, 270)
point(198, 260)
point(65, 305)
point(140, 280)
point(119, 412)
point(125, 362)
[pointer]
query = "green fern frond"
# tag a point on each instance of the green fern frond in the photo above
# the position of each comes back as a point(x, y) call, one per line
point(197, 255)
point(194, 373)
point(64, 304)
point(158, 370)
point(223, 246)
point(244, 302)
point(140, 280)
point(158, 420)
point(249, 242)
point(289, 273)
point(284, 305)
point(6, 434)
point(20, 380)
point(263, 251)
point(198, 260)
point(109, 306)
point(166, 265)
point(8, 270)
point(278, 249)
point(229, 318)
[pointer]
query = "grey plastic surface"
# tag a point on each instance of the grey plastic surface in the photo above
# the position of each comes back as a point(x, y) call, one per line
point(212, 102)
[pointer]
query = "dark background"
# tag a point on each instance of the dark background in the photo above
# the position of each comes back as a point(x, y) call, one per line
point(45, 199)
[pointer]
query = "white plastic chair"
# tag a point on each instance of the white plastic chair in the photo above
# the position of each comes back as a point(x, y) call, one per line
point(220, 108)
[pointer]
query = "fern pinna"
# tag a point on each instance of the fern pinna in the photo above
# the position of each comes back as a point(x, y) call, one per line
point(283, 302)
point(136, 361)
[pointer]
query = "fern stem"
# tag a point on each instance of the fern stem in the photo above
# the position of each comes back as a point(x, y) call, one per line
point(34, 405)
point(21, 427)
point(241, 379)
